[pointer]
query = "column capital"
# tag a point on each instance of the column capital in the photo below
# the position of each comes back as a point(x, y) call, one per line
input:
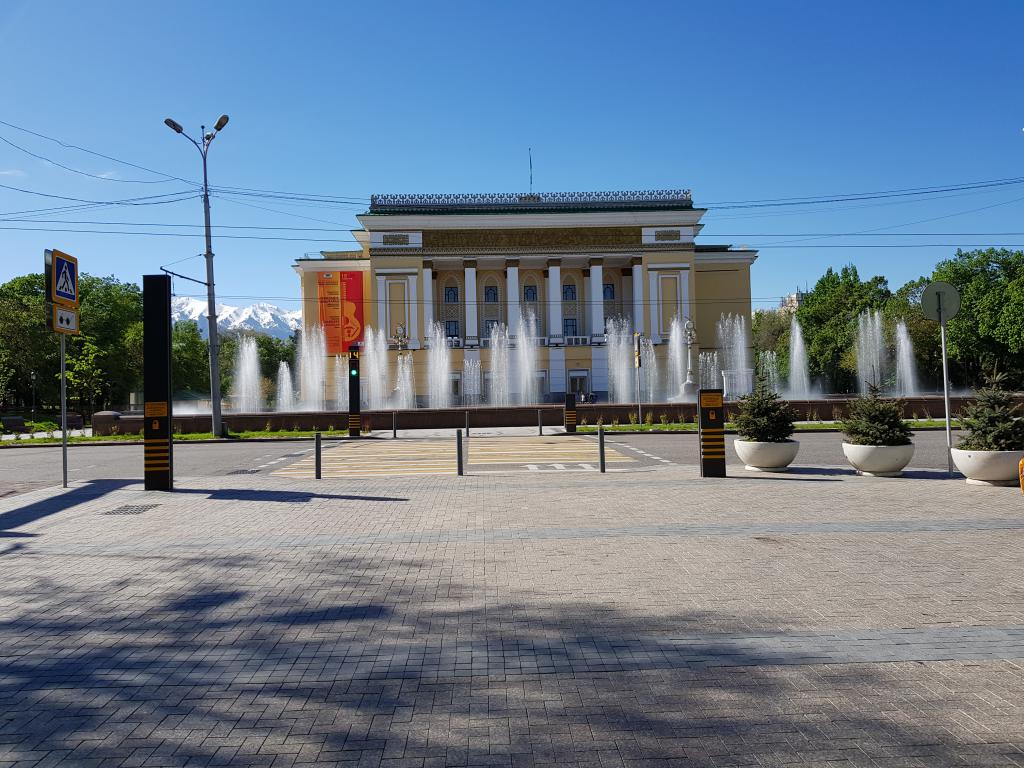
point(428, 265)
point(509, 263)
point(469, 264)
point(554, 262)
point(595, 263)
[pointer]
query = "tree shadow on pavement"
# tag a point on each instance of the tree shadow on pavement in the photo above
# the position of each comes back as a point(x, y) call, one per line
point(88, 491)
point(329, 658)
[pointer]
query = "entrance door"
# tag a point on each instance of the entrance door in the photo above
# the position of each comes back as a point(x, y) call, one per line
point(579, 383)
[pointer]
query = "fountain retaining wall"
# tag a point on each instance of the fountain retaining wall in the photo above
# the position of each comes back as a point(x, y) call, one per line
point(112, 422)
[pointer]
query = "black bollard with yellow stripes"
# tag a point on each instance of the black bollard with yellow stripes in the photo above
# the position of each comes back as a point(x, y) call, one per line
point(711, 430)
point(570, 412)
point(158, 446)
point(355, 419)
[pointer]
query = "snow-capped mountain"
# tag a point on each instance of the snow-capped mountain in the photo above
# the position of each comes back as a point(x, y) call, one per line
point(260, 318)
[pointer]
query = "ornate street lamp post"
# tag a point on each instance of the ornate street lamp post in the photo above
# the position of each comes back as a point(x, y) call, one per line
point(689, 386)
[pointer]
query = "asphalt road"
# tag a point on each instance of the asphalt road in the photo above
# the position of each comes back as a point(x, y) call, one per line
point(23, 469)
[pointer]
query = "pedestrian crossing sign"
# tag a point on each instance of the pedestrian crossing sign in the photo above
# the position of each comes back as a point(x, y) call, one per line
point(63, 272)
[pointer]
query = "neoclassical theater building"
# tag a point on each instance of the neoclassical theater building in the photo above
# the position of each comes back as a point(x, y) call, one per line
point(573, 261)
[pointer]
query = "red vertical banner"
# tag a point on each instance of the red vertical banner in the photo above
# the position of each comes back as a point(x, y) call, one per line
point(351, 308)
point(328, 296)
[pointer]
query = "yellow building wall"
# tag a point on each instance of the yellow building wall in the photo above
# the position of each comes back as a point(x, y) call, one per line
point(720, 289)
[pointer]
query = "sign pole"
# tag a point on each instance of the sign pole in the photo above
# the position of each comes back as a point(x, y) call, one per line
point(63, 412)
point(945, 388)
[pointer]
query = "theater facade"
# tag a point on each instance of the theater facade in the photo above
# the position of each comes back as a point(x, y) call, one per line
point(572, 261)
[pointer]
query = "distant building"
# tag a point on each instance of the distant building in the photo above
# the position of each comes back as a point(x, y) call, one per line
point(792, 302)
point(572, 261)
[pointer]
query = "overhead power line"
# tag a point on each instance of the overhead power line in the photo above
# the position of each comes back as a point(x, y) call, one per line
point(51, 161)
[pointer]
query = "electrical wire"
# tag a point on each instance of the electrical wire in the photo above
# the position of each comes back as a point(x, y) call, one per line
point(81, 173)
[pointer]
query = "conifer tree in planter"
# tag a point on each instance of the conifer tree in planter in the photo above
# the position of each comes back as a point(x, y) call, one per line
point(994, 445)
point(765, 424)
point(877, 439)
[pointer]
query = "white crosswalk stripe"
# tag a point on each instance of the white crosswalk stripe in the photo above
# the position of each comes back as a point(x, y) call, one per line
point(387, 458)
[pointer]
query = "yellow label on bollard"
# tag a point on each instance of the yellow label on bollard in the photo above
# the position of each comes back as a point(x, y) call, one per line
point(1020, 472)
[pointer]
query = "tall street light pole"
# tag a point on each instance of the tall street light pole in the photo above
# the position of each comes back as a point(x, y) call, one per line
point(211, 309)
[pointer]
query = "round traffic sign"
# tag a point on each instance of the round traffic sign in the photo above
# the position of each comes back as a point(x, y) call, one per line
point(940, 301)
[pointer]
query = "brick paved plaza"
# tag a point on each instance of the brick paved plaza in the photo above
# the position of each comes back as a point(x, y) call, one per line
point(638, 618)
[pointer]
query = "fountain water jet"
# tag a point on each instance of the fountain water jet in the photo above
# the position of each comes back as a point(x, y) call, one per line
point(439, 364)
point(405, 394)
point(648, 372)
point(870, 355)
point(285, 389)
point(246, 387)
point(710, 371)
point(621, 373)
point(906, 368)
point(470, 381)
point(734, 356)
point(799, 385)
point(374, 370)
point(498, 393)
point(526, 359)
point(768, 370)
point(312, 353)
point(677, 361)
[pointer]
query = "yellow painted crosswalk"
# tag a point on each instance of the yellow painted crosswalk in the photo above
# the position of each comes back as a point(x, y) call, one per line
point(386, 458)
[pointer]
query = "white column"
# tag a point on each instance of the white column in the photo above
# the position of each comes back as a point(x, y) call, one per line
point(512, 299)
point(427, 302)
point(638, 298)
point(472, 332)
point(382, 303)
point(596, 302)
point(413, 313)
point(655, 304)
point(554, 303)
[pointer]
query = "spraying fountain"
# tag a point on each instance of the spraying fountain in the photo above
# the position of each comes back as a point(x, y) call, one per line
point(498, 393)
point(906, 368)
point(312, 354)
point(768, 370)
point(439, 364)
point(710, 371)
point(246, 387)
point(621, 373)
point(734, 356)
point(526, 360)
point(870, 350)
point(648, 371)
point(374, 369)
point(285, 389)
point(799, 386)
point(405, 394)
point(470, 381)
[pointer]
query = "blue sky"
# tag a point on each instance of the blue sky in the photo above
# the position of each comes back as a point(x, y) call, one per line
point(736, 101)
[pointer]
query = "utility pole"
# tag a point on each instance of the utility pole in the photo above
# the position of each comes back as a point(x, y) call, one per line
point(211, 300)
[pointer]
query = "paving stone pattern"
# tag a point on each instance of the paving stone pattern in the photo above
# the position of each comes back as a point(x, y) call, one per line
point(647, 618)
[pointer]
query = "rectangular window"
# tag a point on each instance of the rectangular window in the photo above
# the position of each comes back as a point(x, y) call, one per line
point(529, 293)
point(451, 295)
point(569, 292)
point(451, 328)
point(569, 326)
point(488, 325)
point(491, 294)
point(609, 292)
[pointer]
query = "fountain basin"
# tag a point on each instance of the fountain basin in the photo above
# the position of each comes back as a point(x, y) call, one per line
point(878, 460)
point(766, 457)
point(988, 467)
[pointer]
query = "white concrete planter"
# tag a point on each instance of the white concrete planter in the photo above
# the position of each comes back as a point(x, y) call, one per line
point(766, 457)
point(988, 467)
point(878, 460)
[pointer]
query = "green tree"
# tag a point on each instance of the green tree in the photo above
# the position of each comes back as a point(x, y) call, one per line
point(828, 317)
point(190, 358)
point(26, 345)
point(86, 377)
point(987, 335)
point(769, 330)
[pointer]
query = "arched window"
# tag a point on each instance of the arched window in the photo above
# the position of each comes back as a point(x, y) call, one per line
point(609, 292)
point(569, 292)
point(491, 294)
point(529, 293)
point(451, 294)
